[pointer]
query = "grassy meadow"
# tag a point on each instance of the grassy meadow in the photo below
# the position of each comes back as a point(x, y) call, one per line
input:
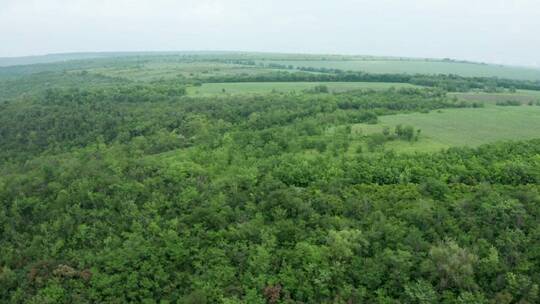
point(522, 96)
point(268, 87)
point(421, 67)
point(460, 127)
point(159, 70)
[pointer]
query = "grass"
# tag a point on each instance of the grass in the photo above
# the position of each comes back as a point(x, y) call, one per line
point(156, 70)
point(420, 67)
point(153, 66)
point(522, 96)
point(461, 127)
point(267, 87)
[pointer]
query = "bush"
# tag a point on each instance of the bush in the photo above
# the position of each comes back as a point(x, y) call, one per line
point(434, 188)
point(508, 103)
point(376, 142)
point(405, 132)
point(321, 89)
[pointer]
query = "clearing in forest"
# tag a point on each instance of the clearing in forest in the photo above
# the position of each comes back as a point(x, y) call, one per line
point(461, 127)
point(267, 87)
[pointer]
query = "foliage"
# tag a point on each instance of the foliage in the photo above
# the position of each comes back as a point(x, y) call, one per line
point(509, 103)
point(451, 83)
point(137, 193)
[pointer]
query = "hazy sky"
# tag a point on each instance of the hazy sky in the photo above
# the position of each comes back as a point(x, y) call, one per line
point(501, 31)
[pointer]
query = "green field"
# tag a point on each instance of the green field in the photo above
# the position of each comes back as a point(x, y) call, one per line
point(159, 70)
point(461, 127)
point(421, 67)
point(267, 87)
point(522, 96)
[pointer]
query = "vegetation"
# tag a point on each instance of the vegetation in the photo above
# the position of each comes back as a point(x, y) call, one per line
point(137, 190)
point(452, 83)
point(416, 66)
point(162, 62)
point(286, 87)
point(522, 96)
point(508, 103)
point(460, 127)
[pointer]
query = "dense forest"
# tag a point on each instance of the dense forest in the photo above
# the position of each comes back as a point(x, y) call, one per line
point(115, 191)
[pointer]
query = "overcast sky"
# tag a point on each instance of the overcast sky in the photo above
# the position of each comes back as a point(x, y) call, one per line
point(500, 31)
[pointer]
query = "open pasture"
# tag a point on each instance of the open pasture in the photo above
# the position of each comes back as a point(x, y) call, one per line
point(522, 96)
point(268, 87)
point(411, 66)
point(461, 127)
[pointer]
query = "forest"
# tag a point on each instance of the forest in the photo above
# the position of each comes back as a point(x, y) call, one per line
point(119, 188)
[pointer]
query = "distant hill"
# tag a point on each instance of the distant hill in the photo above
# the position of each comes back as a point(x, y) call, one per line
point(369, 64)
point(52, 58)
